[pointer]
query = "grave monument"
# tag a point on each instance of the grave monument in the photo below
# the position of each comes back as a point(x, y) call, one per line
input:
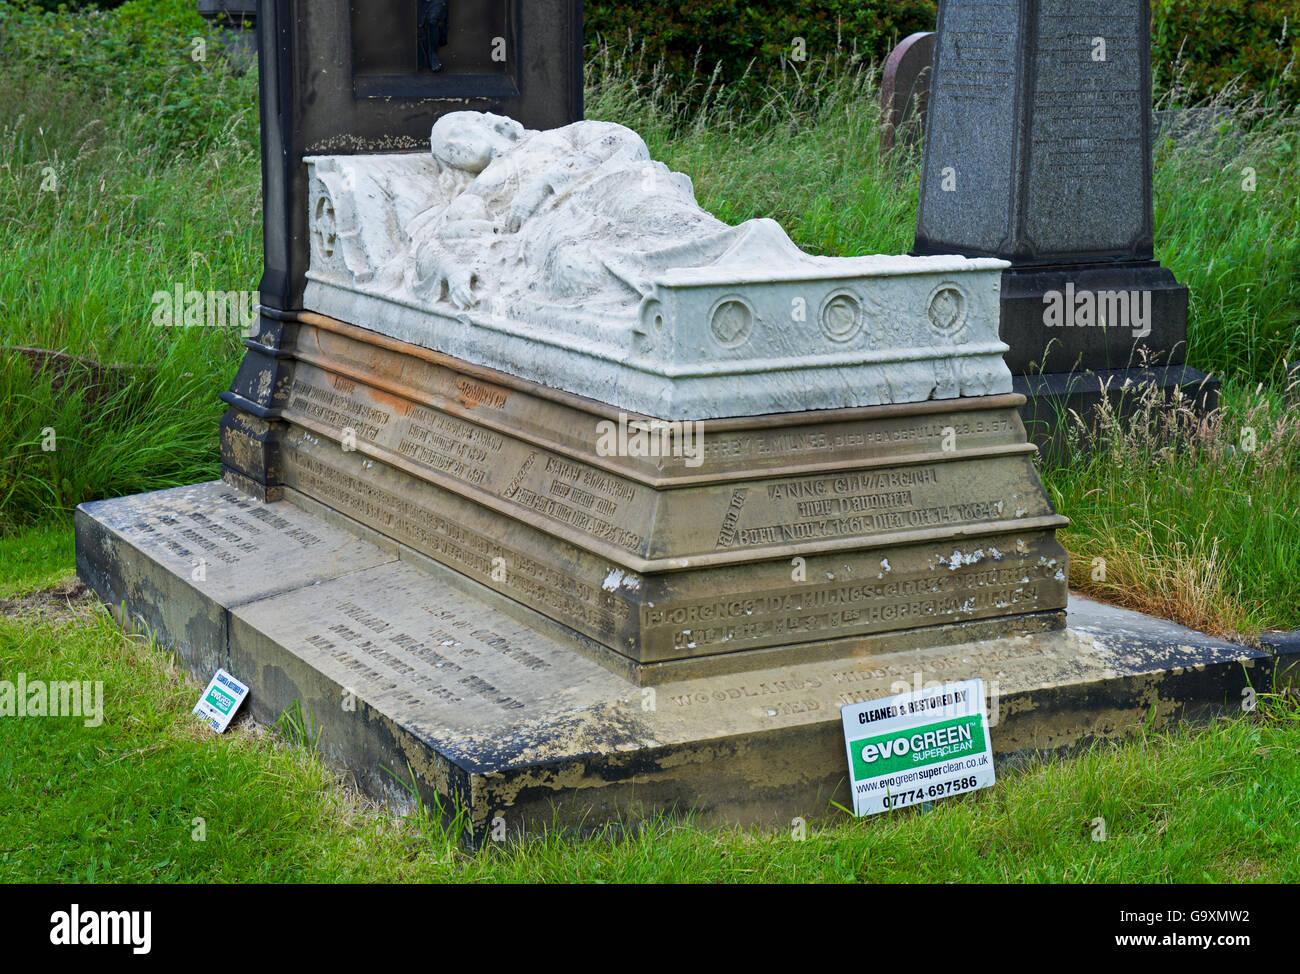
point(546, 491)
point(236, 18)
point(1038, 151)
point(905, 90)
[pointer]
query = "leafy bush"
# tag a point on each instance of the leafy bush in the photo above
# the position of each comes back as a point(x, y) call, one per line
point(157, 57)
point(53, 5)
point(1214, 42)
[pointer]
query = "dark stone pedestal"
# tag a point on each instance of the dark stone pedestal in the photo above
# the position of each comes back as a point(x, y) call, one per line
point(1117, 315)
point(1038, 151)
point(252, 427)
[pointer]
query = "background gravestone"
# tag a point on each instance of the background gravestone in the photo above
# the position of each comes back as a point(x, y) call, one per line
point(905, 89)
point(1038, 150)
point(520, 58)
point(236, 18)
point(905, 98)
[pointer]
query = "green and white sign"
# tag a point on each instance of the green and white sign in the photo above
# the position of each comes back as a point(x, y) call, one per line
point(220, 700)
point(918, 746)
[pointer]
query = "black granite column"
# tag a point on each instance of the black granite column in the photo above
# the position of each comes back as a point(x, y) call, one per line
point(1038, 151)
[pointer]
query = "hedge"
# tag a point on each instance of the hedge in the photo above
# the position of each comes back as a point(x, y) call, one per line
point(1217, 39)
point(142, 54)
point(740, 36)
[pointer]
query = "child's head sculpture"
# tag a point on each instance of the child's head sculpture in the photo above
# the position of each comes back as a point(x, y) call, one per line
point(469, 141)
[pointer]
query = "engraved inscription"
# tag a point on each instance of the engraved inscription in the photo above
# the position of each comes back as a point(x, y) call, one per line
point(779, 445)
point(422, 665)
point(1088, 130)
point(979, 66)
point(581, 498)
point(754, 691)
point(727, 536)
point(223, 536)
point(856, 504)
point(449, 445)
point(967, 184)
point(459, 547)
point(827, 611)
point(565, 492)
point(338, 409)
point(476, 394)
point(1085, 110)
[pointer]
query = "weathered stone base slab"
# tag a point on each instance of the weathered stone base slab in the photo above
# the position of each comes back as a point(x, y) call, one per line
point(401, 671)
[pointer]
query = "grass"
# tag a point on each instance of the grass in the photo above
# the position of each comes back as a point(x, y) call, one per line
point(35, 559)
point(151, 796)
point(808, 157)
point(1195, 519)
point(103, 202)
point(1228, 226)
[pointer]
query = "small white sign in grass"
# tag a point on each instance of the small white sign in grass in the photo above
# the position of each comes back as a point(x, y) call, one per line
point(220, 700)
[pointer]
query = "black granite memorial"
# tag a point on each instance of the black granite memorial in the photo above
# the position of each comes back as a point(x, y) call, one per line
point(1038, 151)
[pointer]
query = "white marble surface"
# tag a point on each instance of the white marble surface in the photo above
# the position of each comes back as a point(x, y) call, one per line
point(569, 257)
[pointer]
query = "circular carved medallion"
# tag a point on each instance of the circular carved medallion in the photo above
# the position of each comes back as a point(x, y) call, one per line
point(732, 322)
point(841, 316)
point(947, 308)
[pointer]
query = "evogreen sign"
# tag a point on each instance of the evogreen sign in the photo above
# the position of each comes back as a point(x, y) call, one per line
point(918, 746)
point(220, 700)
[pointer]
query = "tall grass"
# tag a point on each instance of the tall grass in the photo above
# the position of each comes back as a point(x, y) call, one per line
point(808, 156)
point(95, 220)
point(1190, 517)
point(1228, 226)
